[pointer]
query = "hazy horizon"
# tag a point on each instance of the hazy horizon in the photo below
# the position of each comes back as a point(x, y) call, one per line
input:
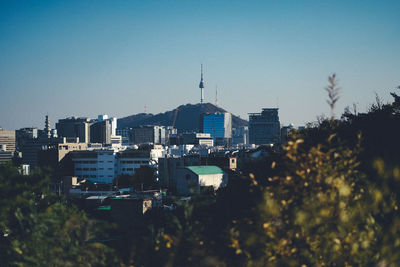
point(81, 58)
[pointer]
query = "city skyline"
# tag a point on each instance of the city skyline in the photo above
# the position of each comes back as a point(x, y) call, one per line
point(79, 58)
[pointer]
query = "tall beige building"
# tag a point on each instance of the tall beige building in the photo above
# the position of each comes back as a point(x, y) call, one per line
point(7, 145)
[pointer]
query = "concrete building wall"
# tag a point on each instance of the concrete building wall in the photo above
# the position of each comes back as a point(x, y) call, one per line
point(186, 182)
point(214, 180)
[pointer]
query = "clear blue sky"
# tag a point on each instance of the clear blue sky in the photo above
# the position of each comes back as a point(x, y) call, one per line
point(83, 58)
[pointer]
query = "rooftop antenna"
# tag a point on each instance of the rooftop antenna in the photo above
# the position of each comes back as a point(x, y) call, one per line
point(216, 96)
point(201, 86)
point(145, 109)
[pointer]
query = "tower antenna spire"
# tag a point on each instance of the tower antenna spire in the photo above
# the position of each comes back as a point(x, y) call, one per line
point(216, 95)
point(201, 86)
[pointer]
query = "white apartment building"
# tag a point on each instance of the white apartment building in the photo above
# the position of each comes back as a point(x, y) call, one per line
point(97, 165)
point(104, 165)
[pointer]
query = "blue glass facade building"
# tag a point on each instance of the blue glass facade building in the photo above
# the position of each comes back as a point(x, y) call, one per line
point(219, 126)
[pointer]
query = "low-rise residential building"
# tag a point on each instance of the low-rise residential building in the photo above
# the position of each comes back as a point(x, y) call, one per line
point(192, 178)
point(168, 166)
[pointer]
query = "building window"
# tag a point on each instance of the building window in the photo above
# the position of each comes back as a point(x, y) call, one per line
point(187, 176)
point(109, 168)
point(92, 169)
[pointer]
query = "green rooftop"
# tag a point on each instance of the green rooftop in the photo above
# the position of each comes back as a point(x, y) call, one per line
point(104, 208)
point(202, 170)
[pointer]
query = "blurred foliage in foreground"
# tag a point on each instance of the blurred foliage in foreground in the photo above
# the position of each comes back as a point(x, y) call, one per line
point(38, 229)
point(329, 198)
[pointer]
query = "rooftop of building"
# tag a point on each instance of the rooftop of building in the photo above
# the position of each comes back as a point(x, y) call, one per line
point(6, 131)
point(204, 170)
point(265, 110)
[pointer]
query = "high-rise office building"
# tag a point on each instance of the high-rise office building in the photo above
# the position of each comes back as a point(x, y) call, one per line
point(7, 145)
point(148, 134)
point(264, 127)
point(113, 123)
point(219, 126)
point(83, 127)
point(31, 147)
point(100, 132)
point(74, 127)
point(24, 134)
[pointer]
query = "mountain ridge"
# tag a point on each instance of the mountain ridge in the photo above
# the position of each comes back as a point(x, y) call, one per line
point(187, 119)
